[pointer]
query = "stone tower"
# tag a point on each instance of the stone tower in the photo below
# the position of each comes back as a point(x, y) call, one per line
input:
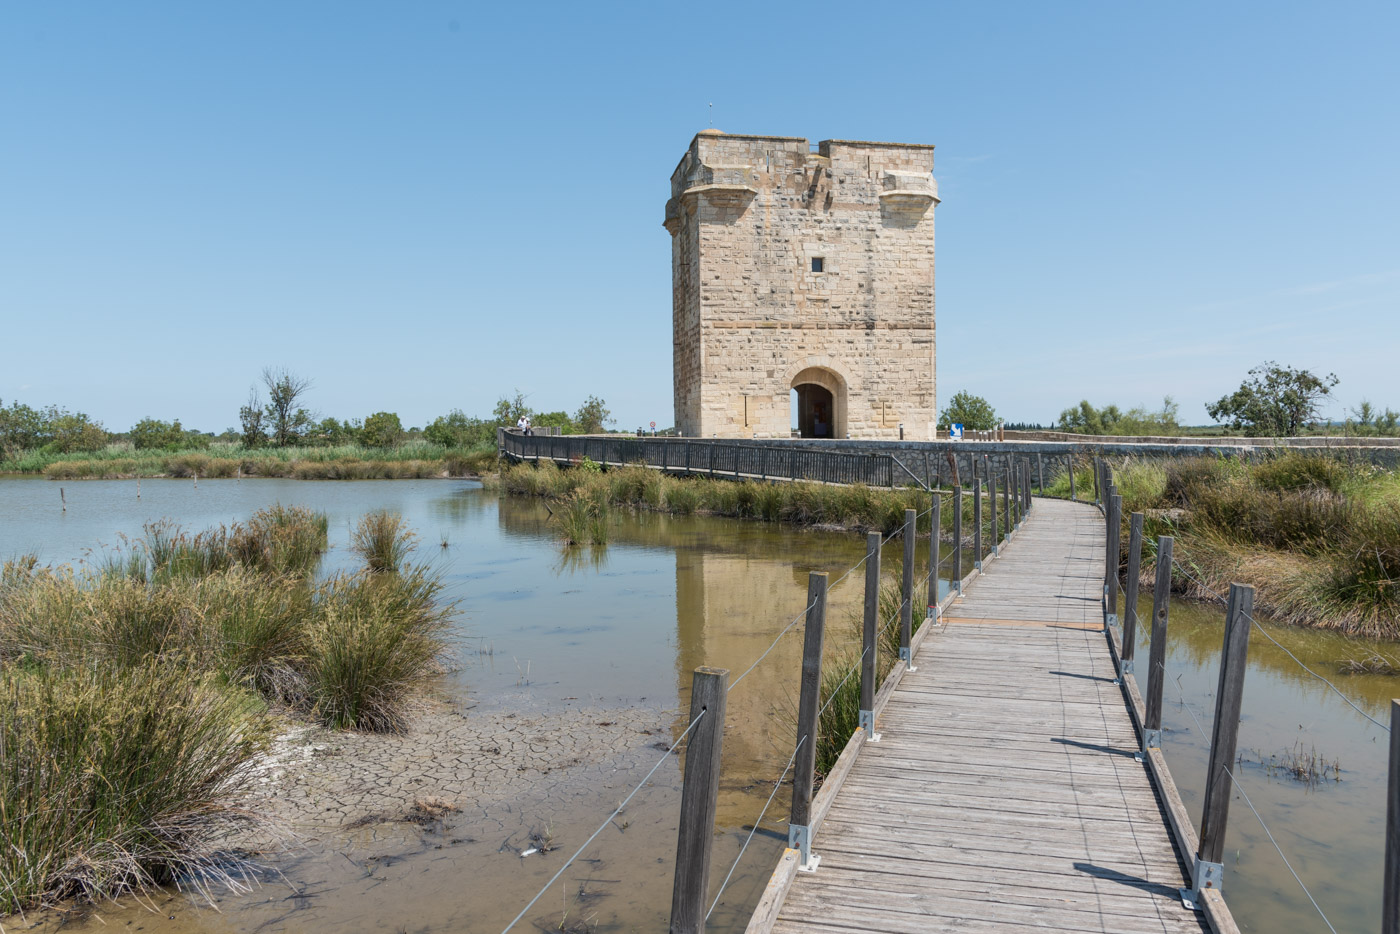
point(803, 277)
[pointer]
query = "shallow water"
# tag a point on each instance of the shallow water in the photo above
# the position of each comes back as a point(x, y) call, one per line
point(621, 628)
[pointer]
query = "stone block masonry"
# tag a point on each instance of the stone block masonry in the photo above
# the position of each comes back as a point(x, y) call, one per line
point(806, 271)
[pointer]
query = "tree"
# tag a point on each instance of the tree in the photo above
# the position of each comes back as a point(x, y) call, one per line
point(457, 429)
point(21, 428)
point(972, 412)
point(250, 417)
point(287, 420)
point(382, 430)
point(1274, 401)
point(508, 411)
point(1366, 420)
point(560, 420)
point(592, 417)
point(1084, 419)
point(74, 431)
point(150, 434)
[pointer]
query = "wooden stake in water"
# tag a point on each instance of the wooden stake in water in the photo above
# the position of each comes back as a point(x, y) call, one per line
point(63, 499)
point(138, 489)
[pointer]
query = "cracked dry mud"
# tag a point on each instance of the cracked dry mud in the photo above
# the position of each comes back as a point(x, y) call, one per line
point(317, 782)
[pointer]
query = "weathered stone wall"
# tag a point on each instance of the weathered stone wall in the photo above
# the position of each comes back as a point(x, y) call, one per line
point(748, 215)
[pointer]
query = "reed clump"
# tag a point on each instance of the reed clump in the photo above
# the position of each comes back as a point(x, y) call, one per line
point(383, 540)
point(113, 779)
point(135, 694)
point(583, 519)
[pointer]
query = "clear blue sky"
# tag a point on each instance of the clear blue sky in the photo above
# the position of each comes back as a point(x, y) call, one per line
point(424, 206)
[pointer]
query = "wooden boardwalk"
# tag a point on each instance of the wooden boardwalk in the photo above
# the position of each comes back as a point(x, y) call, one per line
point(1003, 794)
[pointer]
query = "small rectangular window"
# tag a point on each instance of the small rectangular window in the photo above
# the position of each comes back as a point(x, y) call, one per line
point(818, 264)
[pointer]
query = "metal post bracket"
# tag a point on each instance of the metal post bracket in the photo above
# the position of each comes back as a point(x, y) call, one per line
point(800, 839)
point(907, 658)
point(867, 723)
point(1204, 875)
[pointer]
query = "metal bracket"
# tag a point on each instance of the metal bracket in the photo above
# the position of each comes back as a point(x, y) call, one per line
point(907, 657)
point(1204, 875)
point(800, 839)
point(1126, 666)
point(1151, 739)
point(977, 565)
point(867, 723)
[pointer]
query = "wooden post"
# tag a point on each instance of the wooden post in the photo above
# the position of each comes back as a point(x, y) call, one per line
point(868, 627)
point(977, 524)
point(699, 794)
point(906, 591)
point(1390, 912)
point(805, 765)
point(1130, 616)
point(994, 526)
point(1069, 461)
point(1208, 872)
point(1113, 557)
point(1157, 655)
point(935, 530)
point(928, 470)
point(957, 537)
point(1098, 479)
point(1006, 502)
point(1040, 474)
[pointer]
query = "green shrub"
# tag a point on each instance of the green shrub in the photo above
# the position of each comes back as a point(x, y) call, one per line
point(1296, 470)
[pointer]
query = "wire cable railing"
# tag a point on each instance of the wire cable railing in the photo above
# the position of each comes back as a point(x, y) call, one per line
point(1238, 786)
point(1299, 662)
point(610, 818)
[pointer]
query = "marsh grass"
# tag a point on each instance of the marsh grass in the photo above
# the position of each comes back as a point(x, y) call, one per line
point(1318, 537)
point(374, 641)
point(1304, 765)
point(133, 694)
point(799, 503)
point(114, 779)
point(419, 459)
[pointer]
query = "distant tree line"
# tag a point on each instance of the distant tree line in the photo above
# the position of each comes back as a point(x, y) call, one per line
point(1272, 401)
point(276, 415)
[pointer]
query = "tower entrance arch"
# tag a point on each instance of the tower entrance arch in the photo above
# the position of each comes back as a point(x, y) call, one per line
point(821, 403)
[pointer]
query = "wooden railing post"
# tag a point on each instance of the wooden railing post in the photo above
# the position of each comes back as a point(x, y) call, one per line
point(699, 796)
point(957, 537)
point(1130, 600)
point(906, 592)
point(1208, 872)
point(1069, 461)
point(1113, 557)
point(1098, 480)
point(977, 524)
point(1390, 903)
point(805, 764)
point(1040, 474)
point(1006, 501)
point(1157, 654)
point(935, 530)
point(867, 638)
point(994, 524)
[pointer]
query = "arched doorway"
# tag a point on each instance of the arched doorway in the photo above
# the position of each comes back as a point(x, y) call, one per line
point(820, 396)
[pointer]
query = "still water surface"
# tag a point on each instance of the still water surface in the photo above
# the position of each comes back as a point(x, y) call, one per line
point(541, 629)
